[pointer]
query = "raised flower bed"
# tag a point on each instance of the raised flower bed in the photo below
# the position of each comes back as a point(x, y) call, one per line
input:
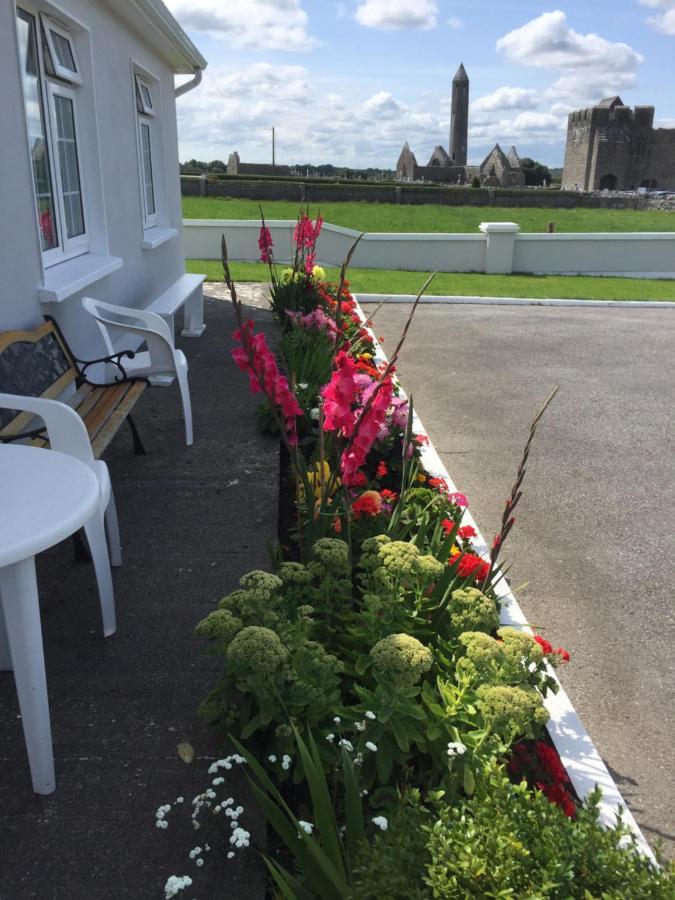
point(405, 729)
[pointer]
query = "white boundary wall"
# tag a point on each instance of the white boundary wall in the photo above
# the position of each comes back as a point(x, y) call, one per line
point(497, 248)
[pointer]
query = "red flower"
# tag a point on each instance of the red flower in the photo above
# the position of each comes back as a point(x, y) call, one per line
point(466, 532)
point(388, 495)
point(421, 439)
point(382, 471)
point(550, 761)
point(545, 645)
point(359, 479)
point(368, 504)
point(440, 485)
point(470, 564)
point(448, 525)
point(563, 654)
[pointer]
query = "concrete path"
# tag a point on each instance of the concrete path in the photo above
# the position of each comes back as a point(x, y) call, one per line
point(595, 534)
point(192, 521)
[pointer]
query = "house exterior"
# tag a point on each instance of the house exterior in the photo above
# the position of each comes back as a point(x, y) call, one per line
point(89, 159)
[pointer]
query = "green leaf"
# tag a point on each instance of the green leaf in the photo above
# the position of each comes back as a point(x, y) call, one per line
point(400, 735)
point(362, 663)
point(324, 815)
point(353, 810)
point(469, 780)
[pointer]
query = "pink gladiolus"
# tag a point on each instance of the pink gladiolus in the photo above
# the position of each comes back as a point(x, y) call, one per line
point(306, 232)
point(365, 435)
point(265, 244)
point(256, 359)
point(339, 396)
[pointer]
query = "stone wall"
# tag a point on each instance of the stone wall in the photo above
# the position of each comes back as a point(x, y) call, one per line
point(331, 192)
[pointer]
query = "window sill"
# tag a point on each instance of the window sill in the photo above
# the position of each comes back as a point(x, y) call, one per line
point(67, 278)
point(155, 237)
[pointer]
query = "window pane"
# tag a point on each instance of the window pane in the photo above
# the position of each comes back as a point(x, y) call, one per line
point(63, 51)
point(36, 130)
point(68, 167)
point(147, 171)
point(145, 93)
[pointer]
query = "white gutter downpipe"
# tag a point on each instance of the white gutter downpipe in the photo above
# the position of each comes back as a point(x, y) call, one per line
point(192, 83)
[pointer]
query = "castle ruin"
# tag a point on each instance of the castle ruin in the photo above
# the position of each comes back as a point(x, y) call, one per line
point(613, 147)
point(498, 169)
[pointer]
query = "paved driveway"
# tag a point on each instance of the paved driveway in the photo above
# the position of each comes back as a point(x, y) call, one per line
point(594, 540)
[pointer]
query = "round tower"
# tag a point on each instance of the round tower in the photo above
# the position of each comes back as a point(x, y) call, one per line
point(459, 117)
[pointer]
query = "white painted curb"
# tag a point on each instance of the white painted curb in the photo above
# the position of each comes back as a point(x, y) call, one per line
point(581, 759)
point(514, 301)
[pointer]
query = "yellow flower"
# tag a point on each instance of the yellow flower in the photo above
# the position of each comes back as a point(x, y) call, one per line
point(319, 478)
point(421, 478)
point(319, 273)
point(286, 275)
point(366, 356)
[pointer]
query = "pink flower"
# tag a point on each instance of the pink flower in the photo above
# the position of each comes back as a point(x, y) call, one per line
point(458, 499)
point(265, 244)
point(256, 359)
point(339, 396)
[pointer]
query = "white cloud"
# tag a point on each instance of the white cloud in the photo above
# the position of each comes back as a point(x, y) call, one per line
point(507, 98)
point(255, 24)
point(456, 23)
point(664, 21)
point(397, 15)
point(236, 109)
point(590, 66)
point(524, 128)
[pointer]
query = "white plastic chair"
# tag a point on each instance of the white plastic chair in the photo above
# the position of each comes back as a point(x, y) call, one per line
point(160, 358)
point(68, 434)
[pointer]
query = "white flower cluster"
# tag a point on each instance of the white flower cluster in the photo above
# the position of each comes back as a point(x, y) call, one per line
point(346, 744)
point(226, 763)
point(371, 746)
point(456, 748)
point(307, 827)
point(176, 883)
point(370, 715)
point(286, 761)
point(160, 816)
point(240, 837)
point(381, 822)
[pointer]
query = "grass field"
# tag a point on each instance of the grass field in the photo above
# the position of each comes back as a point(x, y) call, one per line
point(379, 281)
point(389, 217)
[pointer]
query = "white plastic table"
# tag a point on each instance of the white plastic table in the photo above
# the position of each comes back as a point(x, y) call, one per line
point(44, 497)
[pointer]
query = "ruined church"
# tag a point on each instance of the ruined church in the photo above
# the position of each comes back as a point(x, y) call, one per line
point(498, 169)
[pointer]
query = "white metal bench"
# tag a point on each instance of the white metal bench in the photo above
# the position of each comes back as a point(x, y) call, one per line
point(186, 291)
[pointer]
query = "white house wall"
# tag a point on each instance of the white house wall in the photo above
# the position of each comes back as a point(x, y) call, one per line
point(110, 175)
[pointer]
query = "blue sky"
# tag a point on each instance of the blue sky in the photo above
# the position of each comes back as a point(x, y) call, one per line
point(348, 82)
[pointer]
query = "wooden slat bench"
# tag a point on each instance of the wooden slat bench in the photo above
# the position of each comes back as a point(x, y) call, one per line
point(39, 363)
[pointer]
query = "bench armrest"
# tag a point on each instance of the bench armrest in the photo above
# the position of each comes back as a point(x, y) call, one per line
point(115, 359)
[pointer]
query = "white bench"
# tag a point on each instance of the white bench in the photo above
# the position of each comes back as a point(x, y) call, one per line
point(186, 291)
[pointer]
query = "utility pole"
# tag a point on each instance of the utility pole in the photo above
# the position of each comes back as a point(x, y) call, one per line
point(273, 148)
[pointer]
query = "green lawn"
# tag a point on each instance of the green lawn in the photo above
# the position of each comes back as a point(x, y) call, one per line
point(433, 217)
point(379, 281)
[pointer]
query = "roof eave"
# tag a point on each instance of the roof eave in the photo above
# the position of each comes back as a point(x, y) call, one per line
point(171, 40)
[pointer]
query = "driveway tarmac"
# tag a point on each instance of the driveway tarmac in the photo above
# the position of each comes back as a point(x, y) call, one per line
point(594, 540)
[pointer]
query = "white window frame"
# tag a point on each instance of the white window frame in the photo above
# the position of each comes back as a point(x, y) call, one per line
point(142, 105)
point(149, 218)
point(150, 120)
point(48, 84)
point(80, 243)
point(60, 71)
